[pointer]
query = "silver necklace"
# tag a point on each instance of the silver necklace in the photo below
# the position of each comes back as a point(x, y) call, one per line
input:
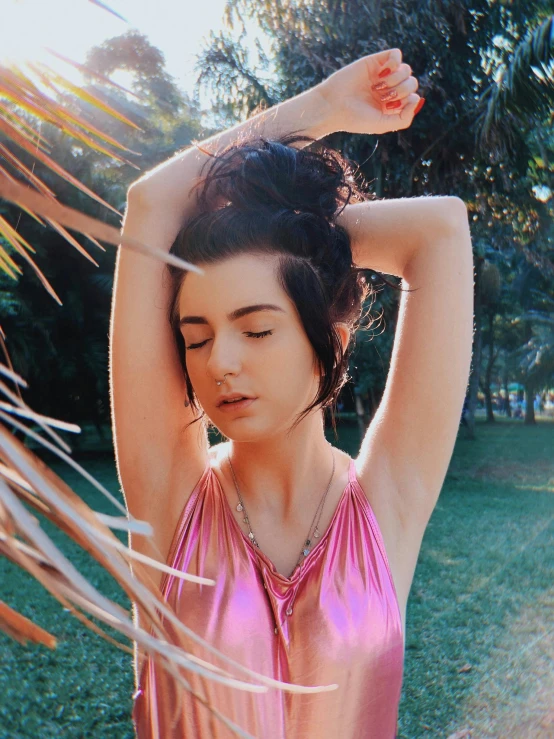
point(308, 542)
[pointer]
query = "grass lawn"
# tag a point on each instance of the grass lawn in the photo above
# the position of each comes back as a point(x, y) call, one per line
point(479, 655)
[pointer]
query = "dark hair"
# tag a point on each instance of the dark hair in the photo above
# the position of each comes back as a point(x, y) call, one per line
point(264, 196)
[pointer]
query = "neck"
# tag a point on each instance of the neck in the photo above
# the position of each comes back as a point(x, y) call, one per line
point(282, 474)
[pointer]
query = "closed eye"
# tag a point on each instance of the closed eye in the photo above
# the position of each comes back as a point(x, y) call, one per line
point(250, 334)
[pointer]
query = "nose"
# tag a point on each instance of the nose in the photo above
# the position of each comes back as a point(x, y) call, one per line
point(223, 359)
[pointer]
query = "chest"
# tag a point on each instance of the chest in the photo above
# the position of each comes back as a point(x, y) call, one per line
point(284, 548)
point(333, 623)
point(335, 614)
point(281, 548)
point(283, 544)
point(338, 591)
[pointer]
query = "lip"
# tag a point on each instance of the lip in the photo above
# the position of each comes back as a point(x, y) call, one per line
point(234, 407)
point(230, 396)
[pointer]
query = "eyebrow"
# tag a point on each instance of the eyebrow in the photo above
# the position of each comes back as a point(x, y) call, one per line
point(234, 315)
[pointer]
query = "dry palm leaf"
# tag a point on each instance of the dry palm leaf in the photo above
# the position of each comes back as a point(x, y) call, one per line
point(25, 478)
point(106, 7)
point(43, 206)
point(27, 482)
point(21, 628)
point(20, 98)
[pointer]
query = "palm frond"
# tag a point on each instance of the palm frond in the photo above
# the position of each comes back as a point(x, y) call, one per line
point(35, 95)
point(524, 88)
point(27, 483)
point(76, 221)
point(106, 7)
point(26, 479)
point(23, 629)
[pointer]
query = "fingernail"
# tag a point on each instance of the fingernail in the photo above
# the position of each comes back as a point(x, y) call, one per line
point(394, 104)
point(384, 73)
point(419, 106)
point(380, 86)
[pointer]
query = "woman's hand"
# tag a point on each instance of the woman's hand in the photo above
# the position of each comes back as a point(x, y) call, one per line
point(375, 94)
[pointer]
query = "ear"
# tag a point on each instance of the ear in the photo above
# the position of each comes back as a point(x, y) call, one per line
point(344, 333)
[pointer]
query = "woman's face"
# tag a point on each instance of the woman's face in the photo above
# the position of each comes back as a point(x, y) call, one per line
point(278, 368)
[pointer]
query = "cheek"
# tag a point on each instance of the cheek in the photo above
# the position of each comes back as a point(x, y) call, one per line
point(291, 365)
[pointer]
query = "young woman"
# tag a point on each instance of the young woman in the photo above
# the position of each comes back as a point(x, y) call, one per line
point(313, 552)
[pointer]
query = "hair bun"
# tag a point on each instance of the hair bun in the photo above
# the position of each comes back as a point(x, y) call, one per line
point(274, 175)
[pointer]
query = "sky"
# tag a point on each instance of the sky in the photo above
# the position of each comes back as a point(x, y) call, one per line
point(176, 27)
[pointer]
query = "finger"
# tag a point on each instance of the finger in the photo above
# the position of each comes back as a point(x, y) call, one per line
point(404, 109)
point(390, 59)
point(407, 111)
point(399, 91)
point(394, 78)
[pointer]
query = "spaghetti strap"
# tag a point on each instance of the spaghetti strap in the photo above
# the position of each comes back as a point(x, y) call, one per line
point(352, 471)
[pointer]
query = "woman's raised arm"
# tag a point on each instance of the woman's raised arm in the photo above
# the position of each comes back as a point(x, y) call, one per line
point(166, 187)
point(160, 460)
point(385, 234)
point(346, 101)
point(407, 448)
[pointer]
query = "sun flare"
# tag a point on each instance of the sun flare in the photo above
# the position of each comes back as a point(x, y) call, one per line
point(30, 27)
point(27, 33)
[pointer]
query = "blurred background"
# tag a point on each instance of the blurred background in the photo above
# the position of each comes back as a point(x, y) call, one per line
point(479, 643)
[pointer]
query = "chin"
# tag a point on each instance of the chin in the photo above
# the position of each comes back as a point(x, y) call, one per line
point(245, 429)
point(251, 430)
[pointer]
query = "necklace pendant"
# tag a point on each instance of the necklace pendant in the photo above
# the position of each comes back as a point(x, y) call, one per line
point(239, 507)
point(305, 552)
point(251, 535)
point(316, 533)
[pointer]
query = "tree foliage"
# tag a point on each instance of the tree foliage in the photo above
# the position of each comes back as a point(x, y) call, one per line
point(486, 71)
point(64, 354)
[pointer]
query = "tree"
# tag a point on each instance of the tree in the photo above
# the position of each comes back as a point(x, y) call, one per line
point(64, 354)
point(479, 64)
point(490, 287)
point(26, 478)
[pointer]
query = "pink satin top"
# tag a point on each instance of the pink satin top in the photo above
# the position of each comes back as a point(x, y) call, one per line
point(345, 628)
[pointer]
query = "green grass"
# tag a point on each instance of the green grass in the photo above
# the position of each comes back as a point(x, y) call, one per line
point(483, 593)
point(477, 651)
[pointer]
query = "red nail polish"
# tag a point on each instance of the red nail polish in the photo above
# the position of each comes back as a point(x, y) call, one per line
point(419, 106)
point(394, 104)
point(384, 73)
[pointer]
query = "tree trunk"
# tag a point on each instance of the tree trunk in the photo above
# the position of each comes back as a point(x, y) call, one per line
point(529, 404)
point(473, 384)
point(359, 412)
point(488, 403)
point(488, 370)
point(507, 406)
point(372, 402)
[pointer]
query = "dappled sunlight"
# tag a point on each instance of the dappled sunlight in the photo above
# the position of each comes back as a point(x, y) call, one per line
point(514, 698)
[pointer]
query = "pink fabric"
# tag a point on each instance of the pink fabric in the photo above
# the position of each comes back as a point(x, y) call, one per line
point(345, 628)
